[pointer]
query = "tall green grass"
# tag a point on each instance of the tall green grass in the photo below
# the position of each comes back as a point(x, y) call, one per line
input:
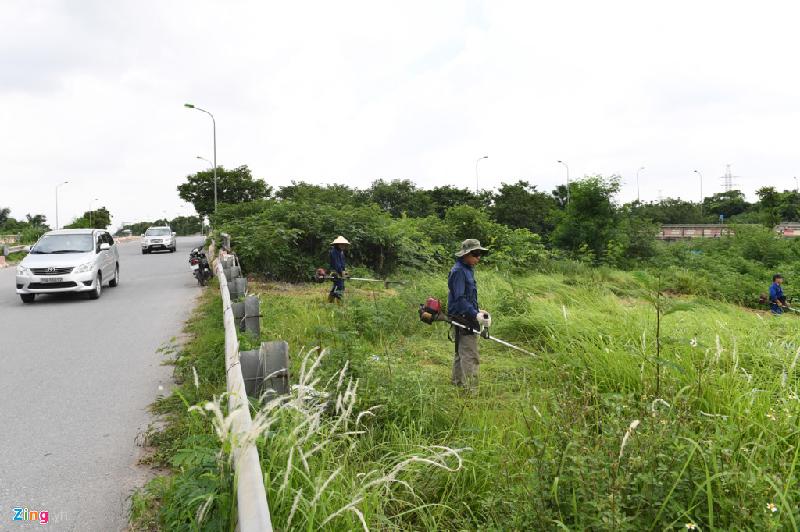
point(714, 448)
point(574, 438)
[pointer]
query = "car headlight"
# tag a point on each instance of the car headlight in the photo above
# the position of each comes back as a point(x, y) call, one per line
point(83, 267)
point(22, 270)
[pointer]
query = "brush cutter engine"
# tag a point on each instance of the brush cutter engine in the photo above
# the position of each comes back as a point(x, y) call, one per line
point(430, 311)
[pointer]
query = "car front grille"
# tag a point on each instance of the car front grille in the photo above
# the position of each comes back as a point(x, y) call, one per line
point(42, 286)
point(52, 271)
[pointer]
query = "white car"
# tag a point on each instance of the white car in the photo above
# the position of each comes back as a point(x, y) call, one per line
point(69, 260)
point(159, 238)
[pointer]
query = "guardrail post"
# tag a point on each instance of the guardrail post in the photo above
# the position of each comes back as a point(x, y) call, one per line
point(238, 287)
point(252, 316)
point(266, 370)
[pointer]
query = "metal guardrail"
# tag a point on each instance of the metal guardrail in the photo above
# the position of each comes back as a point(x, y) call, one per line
point(251, 496)
point(8, 250)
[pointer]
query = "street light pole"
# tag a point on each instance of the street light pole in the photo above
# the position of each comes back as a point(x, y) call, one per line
point(476, 171)
point(701, 191)
point(214, 124)
point(637, 183)
point(90, 212)
point(58, 185)
point(567, 167)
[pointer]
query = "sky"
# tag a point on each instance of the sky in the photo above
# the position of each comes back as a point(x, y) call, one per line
point(92, 92)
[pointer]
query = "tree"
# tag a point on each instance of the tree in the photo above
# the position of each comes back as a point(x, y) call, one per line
point(590, 219)
point(186, 225)
point(669, 211)
point(233, 186)
point(5, 212)
point(96, 219)
point(401, 197)
point(335, 194)
point(36, 220)
point(729, 203)
point(449, 196)
point(521, 206)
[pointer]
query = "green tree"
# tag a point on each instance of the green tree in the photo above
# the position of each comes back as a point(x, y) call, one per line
point(335, 194)
point(96, 219)
point(186, 225)
point(401, 197)
point(5, 212)
point(728, 204)
point(37, 220)
point(521, 206)
point(449, 196)
point(669, 211)
point(590, 219)
point(233, 186)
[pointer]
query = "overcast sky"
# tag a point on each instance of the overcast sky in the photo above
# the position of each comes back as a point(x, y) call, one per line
point(93, 91)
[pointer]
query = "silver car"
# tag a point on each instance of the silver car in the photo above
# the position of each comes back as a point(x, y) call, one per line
point(159, 238)
point(69, 260)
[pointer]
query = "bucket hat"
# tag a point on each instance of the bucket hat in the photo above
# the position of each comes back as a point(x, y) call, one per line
point(340, 240)
point(469, 245)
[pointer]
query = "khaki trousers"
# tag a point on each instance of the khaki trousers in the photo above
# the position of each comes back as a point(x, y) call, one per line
point(465, 364)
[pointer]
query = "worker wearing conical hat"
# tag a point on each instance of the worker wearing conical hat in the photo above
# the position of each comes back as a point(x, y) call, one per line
point(337, 263)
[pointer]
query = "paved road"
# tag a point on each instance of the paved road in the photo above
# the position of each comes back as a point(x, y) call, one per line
point(76, 377)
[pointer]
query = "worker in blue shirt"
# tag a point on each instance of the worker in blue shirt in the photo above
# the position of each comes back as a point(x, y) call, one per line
point(776, 298)
point(337, 264)
point(462, 306)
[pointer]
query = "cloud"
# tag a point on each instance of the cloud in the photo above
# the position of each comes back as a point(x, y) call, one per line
point(93, 92)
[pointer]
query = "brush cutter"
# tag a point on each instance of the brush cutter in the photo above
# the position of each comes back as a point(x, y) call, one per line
point(764, 300)
point(431, 311)
point(321, 276)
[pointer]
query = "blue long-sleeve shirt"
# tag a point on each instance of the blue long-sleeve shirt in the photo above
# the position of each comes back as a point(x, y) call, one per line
point(337, 260)
point(462, 296)
point(775, 293)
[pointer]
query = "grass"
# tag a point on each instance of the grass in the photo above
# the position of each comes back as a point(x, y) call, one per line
point(14, 258)
point(575, 438)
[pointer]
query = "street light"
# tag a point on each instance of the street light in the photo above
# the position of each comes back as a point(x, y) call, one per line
point(701, 191)
point(637, 183)
point(214, 123)
point(567, 167)
point(90, 212)
point(795, 183)
point(58, 185)
point(476, 171)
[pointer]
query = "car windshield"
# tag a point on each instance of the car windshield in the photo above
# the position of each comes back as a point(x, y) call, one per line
point(158, 232)
point(64, 244)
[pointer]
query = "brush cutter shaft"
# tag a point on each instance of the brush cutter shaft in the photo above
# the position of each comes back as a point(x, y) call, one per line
point(489, 337)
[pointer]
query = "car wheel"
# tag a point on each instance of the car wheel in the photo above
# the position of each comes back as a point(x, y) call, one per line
point(144, 252)
point(98, 287)
point(115, 281)
point(27, 298)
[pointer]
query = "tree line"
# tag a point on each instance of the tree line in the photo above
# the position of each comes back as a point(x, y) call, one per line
point(588, 224)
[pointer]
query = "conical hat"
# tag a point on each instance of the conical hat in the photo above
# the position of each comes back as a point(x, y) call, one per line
point(340, 240)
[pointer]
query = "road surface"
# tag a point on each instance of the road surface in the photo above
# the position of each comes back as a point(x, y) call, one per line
point(76, 380)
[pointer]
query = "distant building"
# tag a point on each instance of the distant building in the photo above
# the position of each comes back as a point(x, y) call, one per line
point(788, 229)
point(689, 231)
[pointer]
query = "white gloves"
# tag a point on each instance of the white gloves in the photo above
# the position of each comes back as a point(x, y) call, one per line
point(484, 319)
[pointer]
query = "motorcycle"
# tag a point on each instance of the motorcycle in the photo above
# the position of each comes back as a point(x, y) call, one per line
point(201, 269)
